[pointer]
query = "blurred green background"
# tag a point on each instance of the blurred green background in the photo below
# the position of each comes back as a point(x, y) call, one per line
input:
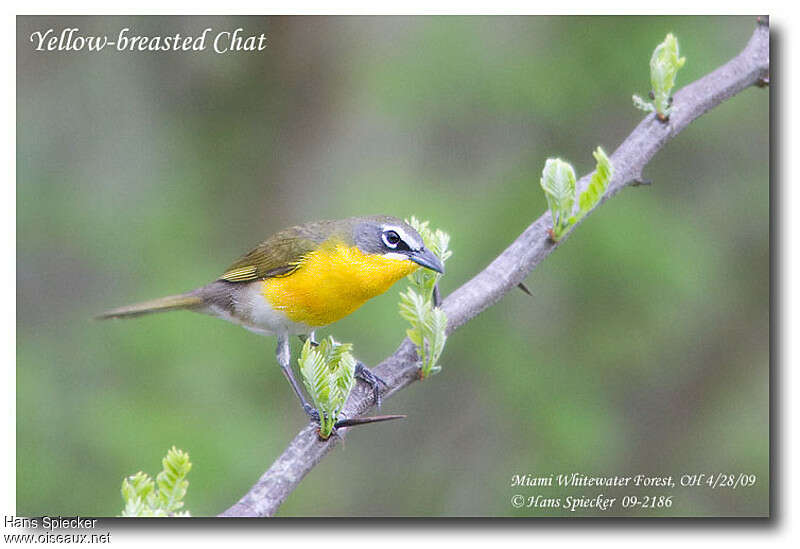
point(643, 350)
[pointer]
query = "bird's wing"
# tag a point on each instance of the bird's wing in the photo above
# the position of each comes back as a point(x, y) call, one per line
point(279, 255)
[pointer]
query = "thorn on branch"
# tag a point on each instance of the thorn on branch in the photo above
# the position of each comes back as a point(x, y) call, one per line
point(356, 421)
point(524, 288)
point(353, 421)
point(639, 181)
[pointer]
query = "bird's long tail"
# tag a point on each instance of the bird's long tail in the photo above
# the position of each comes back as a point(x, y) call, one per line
point(161, 305)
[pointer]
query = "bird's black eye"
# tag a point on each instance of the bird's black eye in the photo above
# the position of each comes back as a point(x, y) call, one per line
point(391, 238)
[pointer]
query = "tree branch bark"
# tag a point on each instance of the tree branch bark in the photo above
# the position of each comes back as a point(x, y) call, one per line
point(749, 68)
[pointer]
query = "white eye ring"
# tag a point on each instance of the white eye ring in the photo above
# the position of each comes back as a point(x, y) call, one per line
point(385, 237)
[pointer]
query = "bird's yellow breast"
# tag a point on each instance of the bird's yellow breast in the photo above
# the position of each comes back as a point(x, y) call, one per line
point(332, 282)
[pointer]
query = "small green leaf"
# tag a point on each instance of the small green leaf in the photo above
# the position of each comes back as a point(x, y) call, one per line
point(314, 372)
point(558, 183)
point(437, 241)
point(558, 180)
point(428, 324)
point(328, 372)
point(598, 184)
point(137, 486)
point(643, 105)
point(415, 336)
point(171, 481)
point(664, 65)
point(145, 498)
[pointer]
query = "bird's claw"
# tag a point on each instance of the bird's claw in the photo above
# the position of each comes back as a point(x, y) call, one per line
point(371, 379)
point(311, 412)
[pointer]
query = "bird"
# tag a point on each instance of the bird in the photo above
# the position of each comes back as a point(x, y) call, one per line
point(303, 278)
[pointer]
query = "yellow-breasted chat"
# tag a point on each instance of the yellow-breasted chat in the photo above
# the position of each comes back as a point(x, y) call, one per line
point(303, 278)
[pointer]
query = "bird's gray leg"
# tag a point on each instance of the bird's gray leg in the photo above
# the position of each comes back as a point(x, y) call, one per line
point(371, 379)
point(284, 355)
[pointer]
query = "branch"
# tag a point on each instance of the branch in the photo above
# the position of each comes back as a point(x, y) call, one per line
point(750, 67)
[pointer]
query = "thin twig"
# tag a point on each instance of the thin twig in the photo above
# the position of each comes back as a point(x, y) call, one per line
point(511, 267)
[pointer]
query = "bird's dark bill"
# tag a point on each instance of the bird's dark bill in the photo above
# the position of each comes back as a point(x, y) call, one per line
point(427, 259)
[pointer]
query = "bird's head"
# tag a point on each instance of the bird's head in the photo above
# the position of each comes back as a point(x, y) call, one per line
point(395, 239)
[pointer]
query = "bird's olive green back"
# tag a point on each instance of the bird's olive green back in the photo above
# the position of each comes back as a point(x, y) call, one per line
point(280, 254)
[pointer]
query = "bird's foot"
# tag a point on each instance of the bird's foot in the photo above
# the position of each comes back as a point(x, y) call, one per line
point(366, 375)
point(311, 412)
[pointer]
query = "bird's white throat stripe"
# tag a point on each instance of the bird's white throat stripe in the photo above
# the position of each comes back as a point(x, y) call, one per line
point(396, 256)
